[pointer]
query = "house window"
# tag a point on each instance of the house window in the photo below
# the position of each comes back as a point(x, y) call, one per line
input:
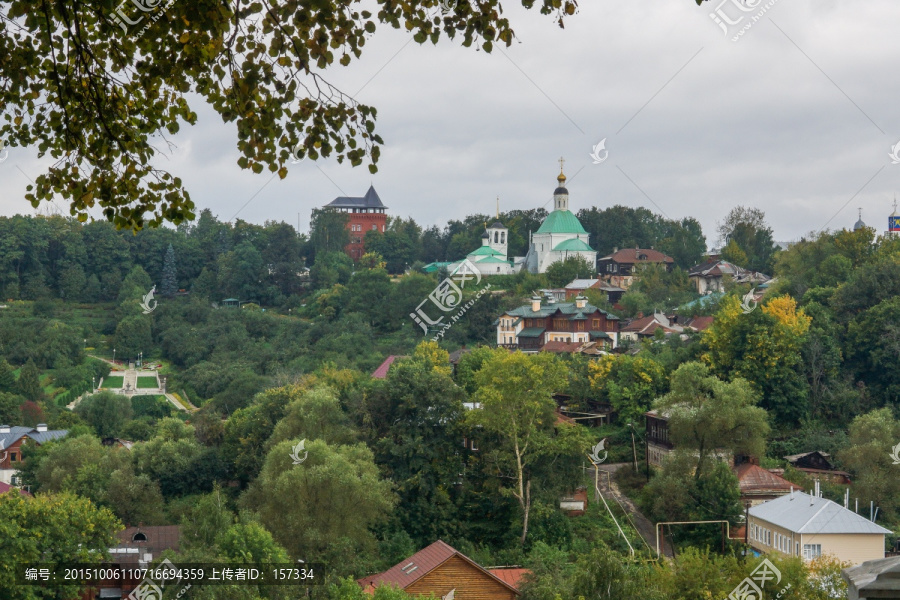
point(798, 548)
point(811, 551)
point(559, 323)
point(529, 322)
point(580, 325)
point(595, 323)
point(139, 537)
point(13, 457)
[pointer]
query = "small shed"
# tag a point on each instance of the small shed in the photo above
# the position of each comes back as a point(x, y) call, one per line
point(878, 578)
point(231, 302)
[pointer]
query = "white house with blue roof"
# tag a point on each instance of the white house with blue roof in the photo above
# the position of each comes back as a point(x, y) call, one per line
point(808, 526)
point(13, 438)
point(560, 236)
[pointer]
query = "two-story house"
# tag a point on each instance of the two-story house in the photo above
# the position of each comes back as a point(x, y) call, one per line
point(530, 327)
point(12, 439)
point(622, 266)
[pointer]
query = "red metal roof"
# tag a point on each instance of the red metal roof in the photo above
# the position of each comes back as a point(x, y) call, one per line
point(5, 487)
point(382, 371)
point(561, 347)
point(410, 570)
point(509, 576)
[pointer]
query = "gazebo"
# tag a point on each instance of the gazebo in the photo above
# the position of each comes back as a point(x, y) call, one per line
point(232, 302)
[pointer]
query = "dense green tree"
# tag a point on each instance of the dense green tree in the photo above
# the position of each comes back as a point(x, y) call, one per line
point(334, 496)
point(872, 439)
point(7, 378)
point(51, 529)
point(562, 272)
point(29, 382)
point(315, 415)
point(514, 391)
point(106, 412)
point(629, 383)
point(328, 231)
point(707, 414)
point(418, 433)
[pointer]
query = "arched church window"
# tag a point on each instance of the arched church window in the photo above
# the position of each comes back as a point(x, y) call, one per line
point(502, 237)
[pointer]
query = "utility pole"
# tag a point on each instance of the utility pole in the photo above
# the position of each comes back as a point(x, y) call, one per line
point(633, 447)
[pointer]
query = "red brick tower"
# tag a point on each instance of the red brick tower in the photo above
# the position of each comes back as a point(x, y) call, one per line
point(366, 214)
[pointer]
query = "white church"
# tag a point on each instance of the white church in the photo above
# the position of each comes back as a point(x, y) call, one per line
point(560, 236)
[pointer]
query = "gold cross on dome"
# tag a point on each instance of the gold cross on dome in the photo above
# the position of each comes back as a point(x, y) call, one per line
point(561, 162)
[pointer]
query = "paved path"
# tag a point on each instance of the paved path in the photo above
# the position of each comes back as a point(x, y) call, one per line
point(643, 525)
point(130, 383)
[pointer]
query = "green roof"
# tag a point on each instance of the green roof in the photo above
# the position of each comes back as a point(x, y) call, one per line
point(561, 221)
point(531, 332)
point(492, 259)
point(574, 245)
point(435, 266)
point(484, 251)
point(564, 309)
point(599, 334)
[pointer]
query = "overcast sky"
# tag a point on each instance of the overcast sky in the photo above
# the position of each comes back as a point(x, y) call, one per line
point(797, 117)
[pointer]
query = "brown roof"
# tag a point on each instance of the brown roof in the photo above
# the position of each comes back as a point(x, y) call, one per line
point(647, 326)
point(700, 323)
point(753, 478)
point(510, 576)
point(410, 570)
point(561, 347)
point(5, 487)
point(631, 256)
point(158, 538)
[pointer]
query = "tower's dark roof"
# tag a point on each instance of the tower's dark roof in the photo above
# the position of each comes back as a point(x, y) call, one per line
point(560, 190)
point(497, 225)
point(370, 200)
point(485, 235)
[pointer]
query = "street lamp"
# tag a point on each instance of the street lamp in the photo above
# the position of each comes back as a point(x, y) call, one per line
point(85, 344)
point(114, 355)
point(93, 385)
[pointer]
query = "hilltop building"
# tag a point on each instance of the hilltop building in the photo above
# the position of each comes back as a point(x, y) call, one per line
point(531, 327)
point(622, 266)
point(366, 214)
point(560, 236)
point(808, 526)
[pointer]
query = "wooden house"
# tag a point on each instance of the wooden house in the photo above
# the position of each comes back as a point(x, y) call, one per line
point(439, 570)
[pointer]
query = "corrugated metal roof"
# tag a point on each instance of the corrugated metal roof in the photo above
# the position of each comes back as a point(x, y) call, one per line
point(753, 478)
point(512, 576)
point(801, 513)
point(410, 570)
point(581, 284)
point(41, 437)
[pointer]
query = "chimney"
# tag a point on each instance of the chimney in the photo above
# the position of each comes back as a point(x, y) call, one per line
point(580, 301)
point(535, 303)
point(4, 428)
point(615, 249)
point(42, 427)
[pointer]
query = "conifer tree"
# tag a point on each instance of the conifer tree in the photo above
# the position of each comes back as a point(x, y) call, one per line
point(30, 382)
point(169, 274)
